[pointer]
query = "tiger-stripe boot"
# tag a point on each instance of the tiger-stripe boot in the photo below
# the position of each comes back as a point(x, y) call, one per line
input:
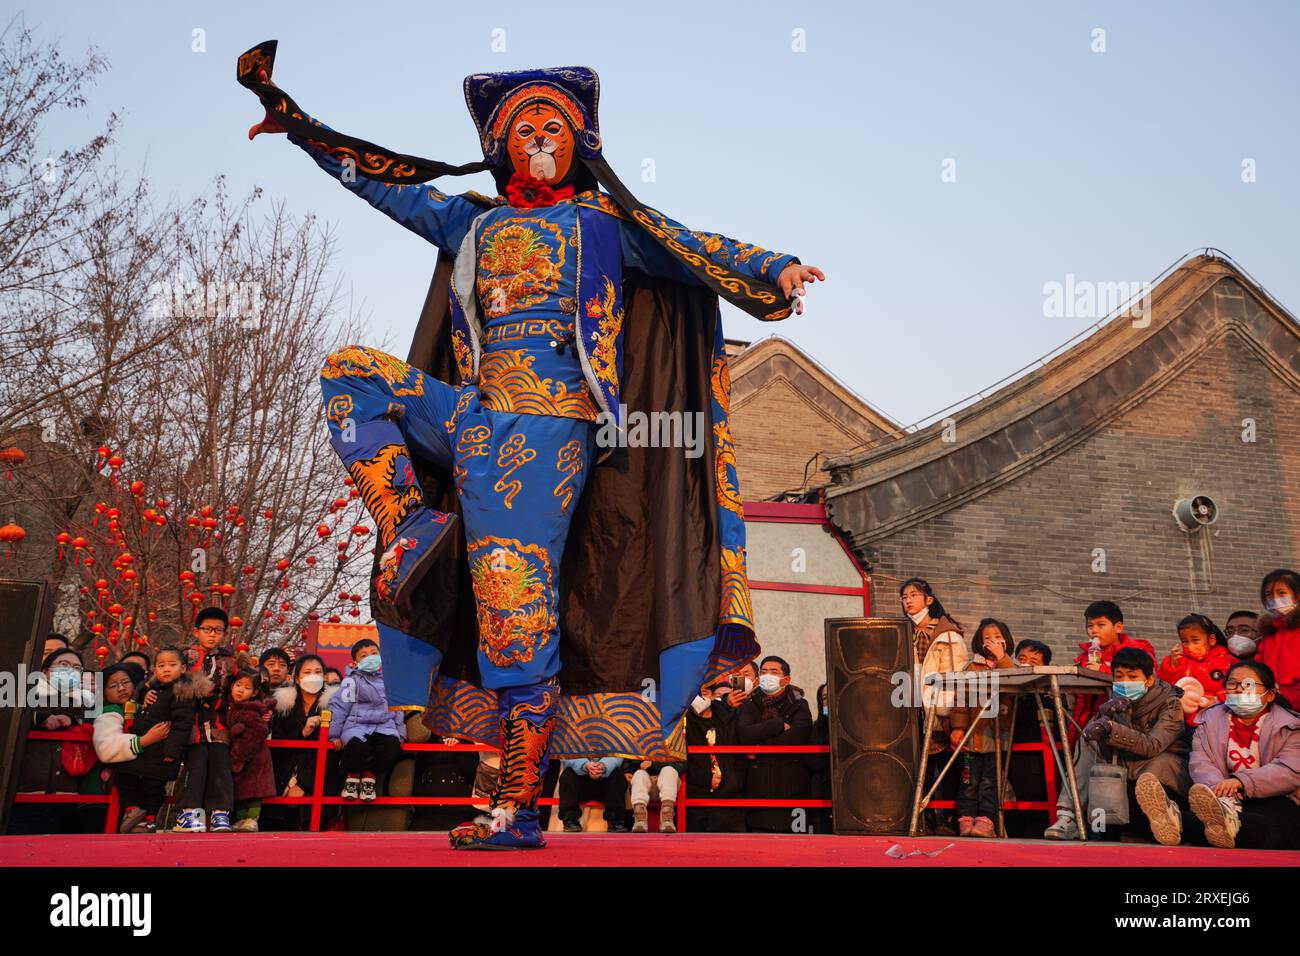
point(528, 717)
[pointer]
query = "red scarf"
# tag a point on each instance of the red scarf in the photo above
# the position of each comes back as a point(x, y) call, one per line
point(1244, 735)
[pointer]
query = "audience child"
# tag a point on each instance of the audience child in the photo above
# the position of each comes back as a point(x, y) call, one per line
point(168, 700)
point(369, 734)
point(247, 716)
point(1245, 765)
point(209, 786)
point(1279, 632)
point(1106, 637)
point(1198, 665)
point(1031, 653)
point(1141, 727)
point(977, 790)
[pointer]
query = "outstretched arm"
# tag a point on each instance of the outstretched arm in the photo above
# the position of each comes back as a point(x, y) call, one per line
point(642, 251)
point(431, 214)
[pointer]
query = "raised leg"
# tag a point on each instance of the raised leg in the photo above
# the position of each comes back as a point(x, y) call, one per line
point(377, 407)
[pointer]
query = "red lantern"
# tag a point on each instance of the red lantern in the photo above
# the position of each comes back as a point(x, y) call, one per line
point(137, 488)
point(209, 523)
point(236, 621)
point(360, 530)
point(355, 612)
point(115, 609)
point(187, 577)
point(101, 652)
point(12, 457)
point(206, 511)
point(322, 531)
point(242, 648)
point(268, 514)
point(249, 570)
point(126, 557)
point(64, 539)
point(335, 619)
point(282, 564)
point(311, 560)
point(11, 534)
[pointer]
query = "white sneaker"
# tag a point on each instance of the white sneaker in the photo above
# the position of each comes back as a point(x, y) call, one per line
point(1064, 828)
point(1163, 814)
point(1221, 824)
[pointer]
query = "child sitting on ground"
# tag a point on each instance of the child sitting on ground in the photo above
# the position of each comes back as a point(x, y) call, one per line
point(369, 734)
point(1198, 665)
point(250, 757)
point(1141, 727)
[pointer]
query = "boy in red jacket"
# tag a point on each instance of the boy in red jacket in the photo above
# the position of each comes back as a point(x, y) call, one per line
point(1105, 623)
point(1198, 666)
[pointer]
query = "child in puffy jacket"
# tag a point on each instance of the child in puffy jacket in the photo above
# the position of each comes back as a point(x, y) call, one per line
point(248, 718)
point(977, 789)
point(361, 725)
point(1198, 666)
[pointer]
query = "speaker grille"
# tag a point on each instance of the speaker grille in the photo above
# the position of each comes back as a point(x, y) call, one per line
point(873, 742)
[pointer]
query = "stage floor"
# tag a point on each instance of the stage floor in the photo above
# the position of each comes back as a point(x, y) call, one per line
point(599, 849)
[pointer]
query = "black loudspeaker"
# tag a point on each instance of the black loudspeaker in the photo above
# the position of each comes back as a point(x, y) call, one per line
point(873, 743)
point(24, 621)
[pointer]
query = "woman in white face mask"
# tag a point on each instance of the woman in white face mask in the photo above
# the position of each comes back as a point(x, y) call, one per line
point(1245, 765)
point(937, 646)
point(1279, 632)
point(297, 716)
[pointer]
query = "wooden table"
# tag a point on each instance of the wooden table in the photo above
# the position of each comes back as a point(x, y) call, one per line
point(974, 687)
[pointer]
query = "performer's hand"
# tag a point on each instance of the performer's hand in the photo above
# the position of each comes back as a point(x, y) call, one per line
point(955, 736)
point(150, 697)
point(792, 279)
point(269, 122)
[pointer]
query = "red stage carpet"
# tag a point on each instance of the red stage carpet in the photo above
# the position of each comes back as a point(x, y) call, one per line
point(688, 849)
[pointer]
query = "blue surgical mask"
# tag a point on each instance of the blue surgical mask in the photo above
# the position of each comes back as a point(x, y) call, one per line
point(769, 683)
point(1280, 605)
point(1130, 689)
point(369, 664)
point(1245, 705)
point(65, 678)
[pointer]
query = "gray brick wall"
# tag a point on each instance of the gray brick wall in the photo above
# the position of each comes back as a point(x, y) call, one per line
point(1024, 552)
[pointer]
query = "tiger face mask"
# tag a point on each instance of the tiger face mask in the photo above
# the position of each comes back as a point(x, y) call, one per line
point(540, 143)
